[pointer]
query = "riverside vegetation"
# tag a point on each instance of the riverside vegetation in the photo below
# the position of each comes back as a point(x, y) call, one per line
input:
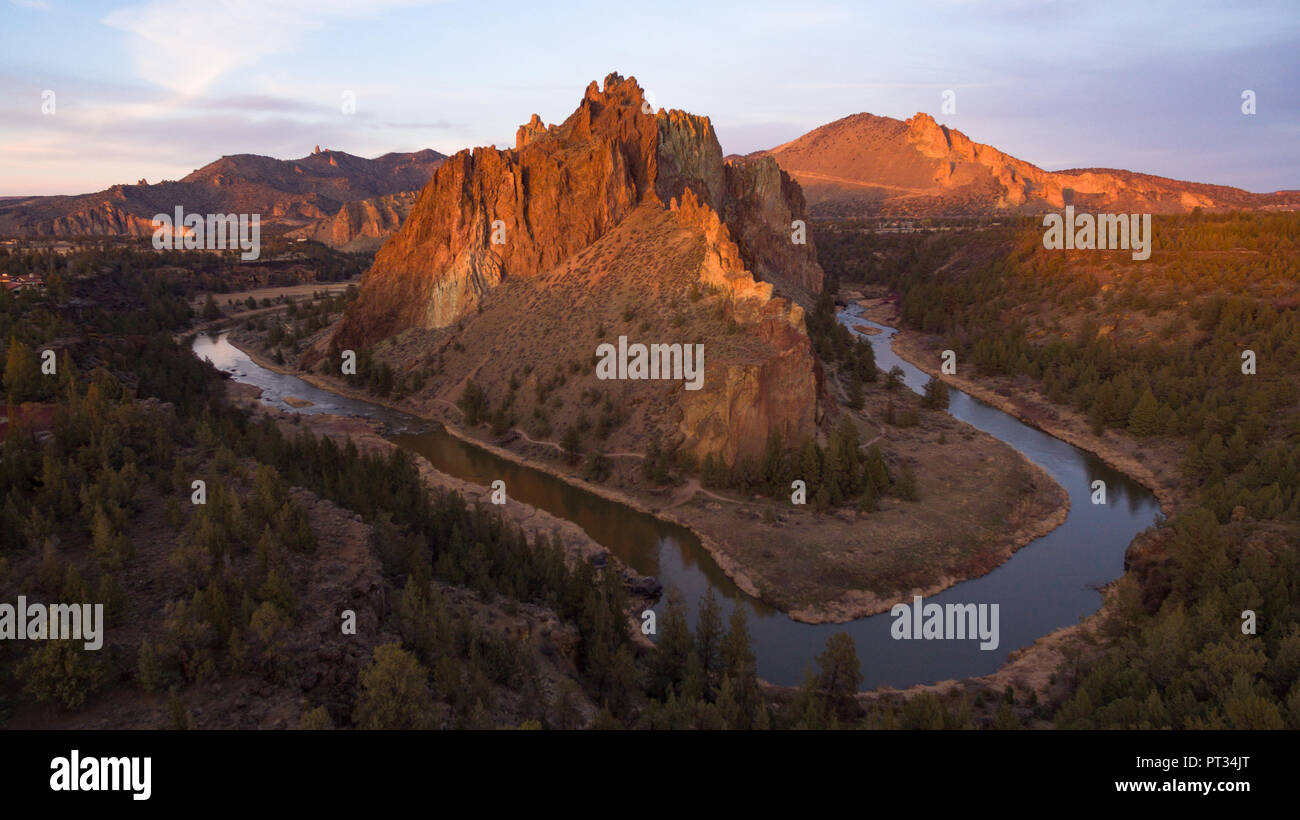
point(1148, 352)
point(132, 416)
point(206, 600)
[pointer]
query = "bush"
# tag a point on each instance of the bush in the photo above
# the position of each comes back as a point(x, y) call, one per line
point(64, 672)
point(905, 485)
point(394, 692)
point(936, 394)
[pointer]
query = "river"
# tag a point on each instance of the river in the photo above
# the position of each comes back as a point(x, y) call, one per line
point(1049, 583)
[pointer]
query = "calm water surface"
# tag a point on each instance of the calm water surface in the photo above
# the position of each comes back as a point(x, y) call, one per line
point(1046, 585)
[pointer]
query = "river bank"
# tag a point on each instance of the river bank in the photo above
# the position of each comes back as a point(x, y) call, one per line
point(822, 568)
point(576, 545)
point(1151, 465)
point(839, 566)
point(365, 434)
point(661, 532)
point(731, 568)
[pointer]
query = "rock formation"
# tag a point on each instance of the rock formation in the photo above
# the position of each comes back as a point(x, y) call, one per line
point(530, 131)
point(362, 224)
point(556, 211)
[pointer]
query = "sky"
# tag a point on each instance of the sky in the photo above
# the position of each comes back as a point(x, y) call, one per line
point(97, 93)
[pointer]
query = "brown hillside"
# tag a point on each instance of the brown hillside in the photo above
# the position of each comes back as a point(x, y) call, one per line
point(287, 193)
point(866, 165)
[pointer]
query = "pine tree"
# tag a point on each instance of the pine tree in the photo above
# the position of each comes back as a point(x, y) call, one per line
point(210, 309)
point(709, 639)
point(841, 675)
point(675, 647)
point(936, 394)
point(906, 487)
point(741, 668)
point(773, 463)
point(317, 719)
point(1145, 418)
point(810, 463)
point(22, 378)
point(894, 379)
point(61, 671)
point(855, 397)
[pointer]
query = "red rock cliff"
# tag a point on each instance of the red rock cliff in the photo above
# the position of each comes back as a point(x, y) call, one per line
point(489, 214)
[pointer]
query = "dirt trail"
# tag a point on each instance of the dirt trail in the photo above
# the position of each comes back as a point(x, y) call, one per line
point(690, 489)
point(561, 449)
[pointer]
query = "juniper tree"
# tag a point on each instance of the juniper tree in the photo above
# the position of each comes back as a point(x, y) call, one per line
point(840, 675)
point(394, 693)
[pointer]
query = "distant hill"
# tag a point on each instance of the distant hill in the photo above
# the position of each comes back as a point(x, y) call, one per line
point(362, 224)
point(305, 194)
point(865, 165)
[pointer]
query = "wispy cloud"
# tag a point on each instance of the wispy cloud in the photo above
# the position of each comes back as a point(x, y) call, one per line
point(187, 45)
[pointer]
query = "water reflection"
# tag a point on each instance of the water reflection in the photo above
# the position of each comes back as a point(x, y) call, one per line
point(1045, 585)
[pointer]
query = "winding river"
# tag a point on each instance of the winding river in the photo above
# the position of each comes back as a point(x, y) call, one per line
point(1045, 585)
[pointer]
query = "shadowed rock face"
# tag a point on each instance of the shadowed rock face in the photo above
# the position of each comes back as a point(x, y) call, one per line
point(488, 215)
point(755, 198)
point(866, 165)
point(762, 206)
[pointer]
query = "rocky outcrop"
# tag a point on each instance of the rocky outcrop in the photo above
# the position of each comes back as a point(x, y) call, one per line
point(737, 409)
point(757, 200)
point(530, 131)
point(869, 165)
point(489, 215)
point(102, 219)
point(689, 156)
point(765, 209)
point(360, 225)
point(488, 212)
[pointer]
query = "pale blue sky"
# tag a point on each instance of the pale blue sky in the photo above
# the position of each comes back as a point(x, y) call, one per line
point(155, 89)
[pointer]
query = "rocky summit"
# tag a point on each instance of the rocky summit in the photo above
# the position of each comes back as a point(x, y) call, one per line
point(865, 165)
point(621, 220)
